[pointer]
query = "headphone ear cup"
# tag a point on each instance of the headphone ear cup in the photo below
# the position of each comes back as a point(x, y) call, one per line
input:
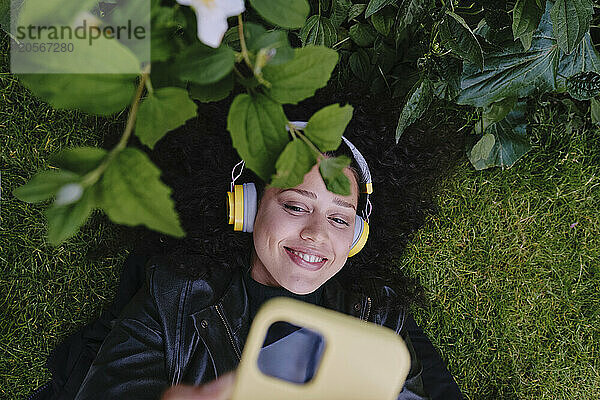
point(241, 207)
point(250, 206)
point(361, 233)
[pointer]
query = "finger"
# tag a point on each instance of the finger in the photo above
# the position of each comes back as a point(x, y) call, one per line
point(220, 389)
point(180, 392)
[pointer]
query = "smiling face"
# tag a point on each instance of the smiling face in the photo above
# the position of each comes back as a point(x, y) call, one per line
point(302, 236)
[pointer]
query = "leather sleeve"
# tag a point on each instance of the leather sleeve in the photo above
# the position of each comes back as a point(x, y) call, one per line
point(413, 386)
point(131, 361)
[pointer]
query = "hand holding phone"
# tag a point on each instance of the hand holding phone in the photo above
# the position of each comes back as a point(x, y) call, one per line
point(315, 353)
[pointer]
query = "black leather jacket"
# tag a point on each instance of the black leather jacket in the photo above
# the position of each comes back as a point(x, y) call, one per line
point(178, 330)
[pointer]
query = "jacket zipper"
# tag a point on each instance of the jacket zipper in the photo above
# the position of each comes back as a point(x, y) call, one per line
point(368, 309)
point(228, 329)
point(177, 377)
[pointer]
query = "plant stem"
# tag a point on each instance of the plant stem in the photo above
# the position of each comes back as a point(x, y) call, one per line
point(308, 142)
point(132, 112)
point(296, 133)
point(238, 73)
point(149, 85)
point(340, 42)
point(243, 42)
point(92, 177)
point(293, 130)
point(14, 38)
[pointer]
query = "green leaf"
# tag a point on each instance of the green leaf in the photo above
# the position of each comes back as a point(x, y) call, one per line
point(133, 194)
point(448, 70)
point(203, 64)
point(60, 12)
point(458, 37)
point(383, 21)
point(44, 185)
point(79, 160)
point(65, 220)
point(162, 44)
point(409, 12)
point(376, 5)
point(301, 77)
point(570, 22)
point(252, 32)
point(355, 11)
point(481, 152)
point(360, 64)
point(503, 143)
point(257, 127)
point(595, 111)
point(71, 80)
point(526, 18)
point(339, 12)
point(384, 57)
point(162, 111)
point(526, 39)
point(583, 59)
point(318, 30)
point(164, 74)
point(295, 161)
point(417, 104)
point(285, 13)
point(332, 172)
point(106, 56)
point(511, 72)
point(326, 127)
point(164, 24)
point(273, 42)
point(498, 20)
point(362, 34)
point(140, 12)
point(100, 94)
point(213, 91)
point(584, 86)
point(64, 86)
point(497, 111)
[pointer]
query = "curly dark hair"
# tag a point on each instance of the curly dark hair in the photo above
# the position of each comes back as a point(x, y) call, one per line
point(197, 159)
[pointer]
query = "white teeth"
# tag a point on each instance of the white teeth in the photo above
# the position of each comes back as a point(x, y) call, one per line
point(307, 257)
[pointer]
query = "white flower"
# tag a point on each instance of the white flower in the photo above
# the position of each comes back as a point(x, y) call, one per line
point(68, 194)
point(211, 16)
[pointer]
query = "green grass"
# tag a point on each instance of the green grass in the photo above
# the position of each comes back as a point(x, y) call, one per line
point(45, 292)
point(511, 267)
point(514, 288)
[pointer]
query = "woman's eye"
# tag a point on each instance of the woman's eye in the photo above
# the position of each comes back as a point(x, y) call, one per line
point(340, 221)
point(293, 208)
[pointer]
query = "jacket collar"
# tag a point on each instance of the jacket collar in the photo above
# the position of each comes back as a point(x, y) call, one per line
point(224, 324)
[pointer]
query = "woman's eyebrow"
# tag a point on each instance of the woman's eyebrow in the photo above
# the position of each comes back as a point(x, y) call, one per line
point(300, 191)
point(336, 200)
point(343, 203)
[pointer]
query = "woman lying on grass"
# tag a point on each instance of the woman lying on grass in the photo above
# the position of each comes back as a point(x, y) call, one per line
point(189, 322)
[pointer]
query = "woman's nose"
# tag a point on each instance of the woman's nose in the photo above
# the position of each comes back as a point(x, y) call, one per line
point(314, 229)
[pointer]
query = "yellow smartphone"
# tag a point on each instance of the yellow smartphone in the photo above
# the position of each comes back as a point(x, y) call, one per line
point(347, 358)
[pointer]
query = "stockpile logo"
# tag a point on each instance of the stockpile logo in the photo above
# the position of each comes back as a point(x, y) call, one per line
point(79, 36)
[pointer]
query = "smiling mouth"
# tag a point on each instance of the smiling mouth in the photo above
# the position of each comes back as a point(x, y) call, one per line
point(304, 260)
point(306, 257)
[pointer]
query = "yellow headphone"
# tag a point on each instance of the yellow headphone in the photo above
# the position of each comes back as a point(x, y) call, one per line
point(242, 200)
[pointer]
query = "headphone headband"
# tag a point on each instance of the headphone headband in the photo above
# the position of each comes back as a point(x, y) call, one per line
point(365, 173)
